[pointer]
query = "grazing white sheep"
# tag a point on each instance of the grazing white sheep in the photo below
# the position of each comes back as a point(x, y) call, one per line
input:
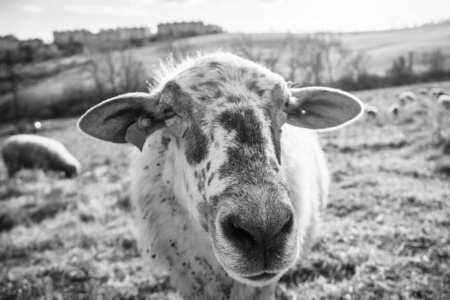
point(406, 97)
point(231, 180)
point(27, 151)
point(394, 109)
point(371, 111)
point(442, 117)
point(437, 92)
point(444, 101)
point(422, 91)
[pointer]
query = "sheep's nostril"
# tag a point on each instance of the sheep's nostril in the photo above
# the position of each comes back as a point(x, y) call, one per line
point(287, 226)
point(237, 234)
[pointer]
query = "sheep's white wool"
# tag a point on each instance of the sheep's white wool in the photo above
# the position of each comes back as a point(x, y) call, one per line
point(370, 110)
point(32, 151)
point(436, 92)
point(394, 109)
point(444, 101)
point(422, 91)
point(407, 96)
point(306, 172)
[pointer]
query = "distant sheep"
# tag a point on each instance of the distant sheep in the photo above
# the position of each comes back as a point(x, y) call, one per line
point(28, 127)
point(371, 111)
point(394, 109)
point(26, 151)
point(406, 97)
point(437, 92)
point(422, 91)
point(444, 101)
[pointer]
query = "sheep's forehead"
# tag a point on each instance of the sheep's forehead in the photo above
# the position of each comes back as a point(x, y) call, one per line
point(233, 97)
point(219, 82)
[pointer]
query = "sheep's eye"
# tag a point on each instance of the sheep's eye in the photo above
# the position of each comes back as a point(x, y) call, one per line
point(169, 113)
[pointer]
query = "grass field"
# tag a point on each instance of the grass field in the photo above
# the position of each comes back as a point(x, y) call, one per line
point(385, 233)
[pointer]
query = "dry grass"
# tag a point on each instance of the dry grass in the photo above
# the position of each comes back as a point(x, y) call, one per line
point(385, 233)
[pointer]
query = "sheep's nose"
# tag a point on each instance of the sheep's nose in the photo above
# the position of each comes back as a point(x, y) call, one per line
point(256, 234)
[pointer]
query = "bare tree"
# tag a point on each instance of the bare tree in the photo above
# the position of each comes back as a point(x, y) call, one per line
point(115, 72)
point(317, 59)
point(11, 80)
point(111, 70)
point(272, 59)
point(333, 53)
point(245, 46)
point(435, 62)
point(357, 65)
point(400, 71)
point(133, 73)
point(305, 61)
point(10, 64)
point(296, 46)
point(177, 51)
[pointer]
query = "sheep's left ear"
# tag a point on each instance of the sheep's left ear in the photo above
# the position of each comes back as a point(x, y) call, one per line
point(322, 109)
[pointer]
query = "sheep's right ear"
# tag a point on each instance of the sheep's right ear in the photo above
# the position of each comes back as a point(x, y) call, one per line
point(110, 119)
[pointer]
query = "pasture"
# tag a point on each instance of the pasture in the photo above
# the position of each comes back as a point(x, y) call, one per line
point(385, 234)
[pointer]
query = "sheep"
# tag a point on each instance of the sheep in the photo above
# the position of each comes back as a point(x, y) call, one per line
point(371, 111)
point(406, 97)
point(437, 92)
point(444, 101)
point(422, 91)
point(394, 109)
point(27, 127)
point(27, 151)
point(223, 200)
point(442, 115)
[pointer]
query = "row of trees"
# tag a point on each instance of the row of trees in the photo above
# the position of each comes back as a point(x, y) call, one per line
point(311, 60)
point(317, 59)
point(109, 73)
point(323, 59)
point(433, 66)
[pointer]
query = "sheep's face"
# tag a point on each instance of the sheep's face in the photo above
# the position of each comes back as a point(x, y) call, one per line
point(224, 116)
point(227, 126)
point(70, 171)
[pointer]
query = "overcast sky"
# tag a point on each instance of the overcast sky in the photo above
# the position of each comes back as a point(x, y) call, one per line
point(39, 18)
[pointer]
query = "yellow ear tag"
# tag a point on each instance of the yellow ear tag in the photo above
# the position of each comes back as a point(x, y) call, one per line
point(136, 133)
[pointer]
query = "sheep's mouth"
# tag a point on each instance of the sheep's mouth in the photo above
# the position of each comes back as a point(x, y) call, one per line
point(262, 277)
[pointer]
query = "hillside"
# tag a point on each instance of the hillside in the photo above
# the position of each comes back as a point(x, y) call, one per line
point(382, 48)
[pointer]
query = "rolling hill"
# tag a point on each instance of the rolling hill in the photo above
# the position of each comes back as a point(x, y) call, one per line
point(382, 47)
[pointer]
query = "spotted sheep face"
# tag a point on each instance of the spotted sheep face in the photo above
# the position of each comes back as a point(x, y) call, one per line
point(227, 125)
point(225, 117)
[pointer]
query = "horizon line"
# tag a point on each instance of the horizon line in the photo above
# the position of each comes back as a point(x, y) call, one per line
point(425, 24)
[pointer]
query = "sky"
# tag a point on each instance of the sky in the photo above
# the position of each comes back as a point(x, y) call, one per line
point(39, 18)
